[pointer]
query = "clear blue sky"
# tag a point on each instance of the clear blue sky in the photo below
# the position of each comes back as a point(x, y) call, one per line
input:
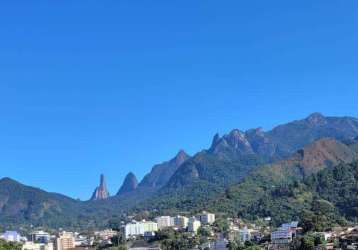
point(90, 87)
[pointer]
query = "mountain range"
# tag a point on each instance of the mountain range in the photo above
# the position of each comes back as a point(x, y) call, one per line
point(232, 175)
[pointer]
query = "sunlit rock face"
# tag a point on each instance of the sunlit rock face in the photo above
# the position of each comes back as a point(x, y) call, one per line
point(101, 192)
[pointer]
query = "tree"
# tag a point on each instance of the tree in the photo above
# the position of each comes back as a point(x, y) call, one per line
point(233, 245)
point(222, 225)
point(118, 240)
point(121, 247)
point(204, 231)
point(307, 243)
point(9, 245)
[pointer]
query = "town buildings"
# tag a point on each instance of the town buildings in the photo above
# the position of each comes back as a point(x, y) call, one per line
point(285, 233)
point(40, 237)
point(105, 234)
point(136, 228)
point(30, 245)
point(64, 241)
point(206, 218)
point(281, 236)
point(164, 222)
point(193, 225)
point(11, 236)
point(180, 221)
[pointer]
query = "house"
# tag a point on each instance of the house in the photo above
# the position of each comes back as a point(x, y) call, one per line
point(281, 236)
point(285, 233)
point(40, 237)
point(12, 236)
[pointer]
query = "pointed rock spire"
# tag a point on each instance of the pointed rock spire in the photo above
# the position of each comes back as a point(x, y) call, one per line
point(130, 183)
point(101, 192)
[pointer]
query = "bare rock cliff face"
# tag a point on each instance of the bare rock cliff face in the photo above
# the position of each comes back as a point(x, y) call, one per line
point(101, 192)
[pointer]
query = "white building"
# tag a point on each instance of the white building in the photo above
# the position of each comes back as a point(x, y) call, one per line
point(29, 245)
point(164, 222)
point(139, 228)
point(105, 234)
point(150, 226)
point(292, 225)
point(245, 234)
point(206, 218)
point(193, 225)
point(40, 237)
point(285, 233)
point(11, 236)
point(180, 221)
point(281, 236)
point(81, 240)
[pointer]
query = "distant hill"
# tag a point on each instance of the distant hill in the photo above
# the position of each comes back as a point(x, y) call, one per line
point(329, 197)
point(321, 200)
point(309, 160)
point(23, 204)
point(232, 157)
point(245, 199)
point(232, 175)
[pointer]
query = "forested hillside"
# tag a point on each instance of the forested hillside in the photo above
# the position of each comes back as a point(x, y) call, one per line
point(238, 174)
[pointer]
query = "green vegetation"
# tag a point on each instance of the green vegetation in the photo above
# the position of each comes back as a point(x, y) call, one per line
point(309, 241)
point(319, 201)
point(122, 247)
point(248, 245)
point(170, 239)
point(227, 178)
point(221, 225)
point(9, 245)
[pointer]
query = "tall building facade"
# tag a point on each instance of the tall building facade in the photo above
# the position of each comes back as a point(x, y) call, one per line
point(193, 225)
point(164, 222)
point(206, 218)
point(181, 221)
point(139, 228)
point(65, 240)
point(40, 237)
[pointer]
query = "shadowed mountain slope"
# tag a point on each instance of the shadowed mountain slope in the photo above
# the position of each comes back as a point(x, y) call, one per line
point(161, 173)
point(130, 184)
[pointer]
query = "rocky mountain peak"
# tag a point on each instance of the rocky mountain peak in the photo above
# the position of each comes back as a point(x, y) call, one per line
point(254, 132)
point(216, 140)
point(316, 119)
point(101, 192)
point(102, 181)
point(180, 157)
point(237, 139)
point(130, 183)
